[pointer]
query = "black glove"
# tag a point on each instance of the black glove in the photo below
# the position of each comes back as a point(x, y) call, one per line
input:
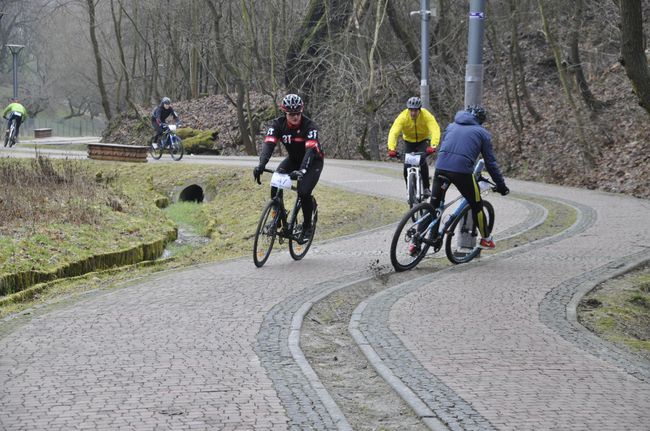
point(503, 189)
point(297, 175)
point(257, 173)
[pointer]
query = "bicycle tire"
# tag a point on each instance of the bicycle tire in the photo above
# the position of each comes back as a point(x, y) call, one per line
point(400, 256)
point(297, 250)
point(6, 138)
point(157, 151)
point(454, 249)
point(176, 149)
point(412, 190)
point(12, 134)
point(265, 234)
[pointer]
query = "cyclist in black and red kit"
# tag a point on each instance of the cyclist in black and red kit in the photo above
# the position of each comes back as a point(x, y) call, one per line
point(299, 134)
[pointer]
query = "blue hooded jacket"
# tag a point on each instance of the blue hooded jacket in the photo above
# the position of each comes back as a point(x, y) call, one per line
point(462, 143)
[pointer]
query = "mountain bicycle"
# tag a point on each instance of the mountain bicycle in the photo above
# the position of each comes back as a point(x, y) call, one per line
point(276, 222)
point(414, 182)
point(10, 135)
point(422, 227)
point(168, 140)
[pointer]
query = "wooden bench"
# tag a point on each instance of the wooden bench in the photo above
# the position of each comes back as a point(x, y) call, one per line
point(42, 133)
point(122, 153)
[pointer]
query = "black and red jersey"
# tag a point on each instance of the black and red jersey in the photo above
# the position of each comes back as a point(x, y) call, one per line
point(301, 143)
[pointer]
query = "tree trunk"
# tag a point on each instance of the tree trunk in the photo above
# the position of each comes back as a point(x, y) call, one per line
point(304, 69)
point(633, 57)
point(249, 144)
point(98, 61)
point(117, 25)
point(575, 64)
point(403, 35)
point(586, 148)
point(493, 40)
point(523, 87)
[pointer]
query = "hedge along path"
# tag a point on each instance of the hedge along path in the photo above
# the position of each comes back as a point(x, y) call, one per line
point(11, 284)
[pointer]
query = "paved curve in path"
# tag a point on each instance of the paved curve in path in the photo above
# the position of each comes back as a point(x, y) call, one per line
point(495, 344)
point(206, 347)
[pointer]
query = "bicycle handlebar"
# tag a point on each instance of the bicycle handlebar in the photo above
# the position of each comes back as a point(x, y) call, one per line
point(401, 156)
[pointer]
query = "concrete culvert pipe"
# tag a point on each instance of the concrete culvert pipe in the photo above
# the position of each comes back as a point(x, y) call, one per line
point(192, 193)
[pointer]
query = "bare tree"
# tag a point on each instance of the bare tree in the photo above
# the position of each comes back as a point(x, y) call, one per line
point(587, 151)
point(575, 63)
point(633, 56)
point(98, 60)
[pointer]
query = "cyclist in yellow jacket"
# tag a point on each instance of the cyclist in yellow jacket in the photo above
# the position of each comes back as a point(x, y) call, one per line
point(15, 110)
point(420, 132)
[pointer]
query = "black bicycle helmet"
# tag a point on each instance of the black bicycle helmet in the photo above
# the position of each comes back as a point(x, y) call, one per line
point(478, 112)
point(165, 100)
point(292, 103)
point(414, 103)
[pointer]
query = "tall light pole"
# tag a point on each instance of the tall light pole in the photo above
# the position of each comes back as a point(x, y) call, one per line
point(424, 13)
point(15, 49)
point(474, 67)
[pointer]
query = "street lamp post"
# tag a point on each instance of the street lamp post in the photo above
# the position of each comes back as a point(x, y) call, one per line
point(425, 13)
point(15, 49)
point(474, 67)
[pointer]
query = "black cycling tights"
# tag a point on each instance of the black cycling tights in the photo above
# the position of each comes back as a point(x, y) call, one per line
point(305, 186)
point(468, 187)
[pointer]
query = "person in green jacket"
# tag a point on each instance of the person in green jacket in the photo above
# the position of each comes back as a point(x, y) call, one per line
point(420, 132)
point(15, 110)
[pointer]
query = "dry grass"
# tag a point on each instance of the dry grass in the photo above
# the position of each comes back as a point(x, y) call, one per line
point(35, 192)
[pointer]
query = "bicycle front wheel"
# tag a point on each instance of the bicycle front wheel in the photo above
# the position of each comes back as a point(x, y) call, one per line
point(408, 246)
point(298, 249)
point(176, 150)
point(155, 149)
point(265, 234)
point(461, 242)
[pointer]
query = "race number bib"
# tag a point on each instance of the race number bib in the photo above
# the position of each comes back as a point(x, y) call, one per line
point(18, 114)
point(281, 181)
point(412, 159)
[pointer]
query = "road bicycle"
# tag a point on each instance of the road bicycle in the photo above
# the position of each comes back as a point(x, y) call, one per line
point(170, 141)
point(10, 135)
point(275, 222)
point(424, 227)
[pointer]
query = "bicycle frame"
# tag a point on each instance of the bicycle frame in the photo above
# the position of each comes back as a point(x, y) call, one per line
point(443, 227)
point(287, 227)
point(413, 168)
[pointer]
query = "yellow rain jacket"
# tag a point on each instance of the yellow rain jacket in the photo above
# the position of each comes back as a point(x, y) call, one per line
point(424, 127)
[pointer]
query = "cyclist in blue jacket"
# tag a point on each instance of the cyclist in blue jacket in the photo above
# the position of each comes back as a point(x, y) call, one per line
point(462, 143)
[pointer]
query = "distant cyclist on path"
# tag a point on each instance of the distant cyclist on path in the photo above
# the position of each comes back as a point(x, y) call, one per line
point(15, 110)
point(299, 135)
point(159, 116)
point(420, 132)
point(462, 143)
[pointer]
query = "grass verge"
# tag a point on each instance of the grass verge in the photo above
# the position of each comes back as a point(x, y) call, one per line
point(226, 223)
point(618, 310)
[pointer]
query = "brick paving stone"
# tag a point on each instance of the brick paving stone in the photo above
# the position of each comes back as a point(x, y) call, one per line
point(493, 336)
point(205, 345)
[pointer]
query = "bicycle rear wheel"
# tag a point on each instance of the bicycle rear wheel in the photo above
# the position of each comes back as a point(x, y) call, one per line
point(408, 248)
point(298, 249)
point(176, 150)
point(461, 242)
point(265, 234)
point(12, 134)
